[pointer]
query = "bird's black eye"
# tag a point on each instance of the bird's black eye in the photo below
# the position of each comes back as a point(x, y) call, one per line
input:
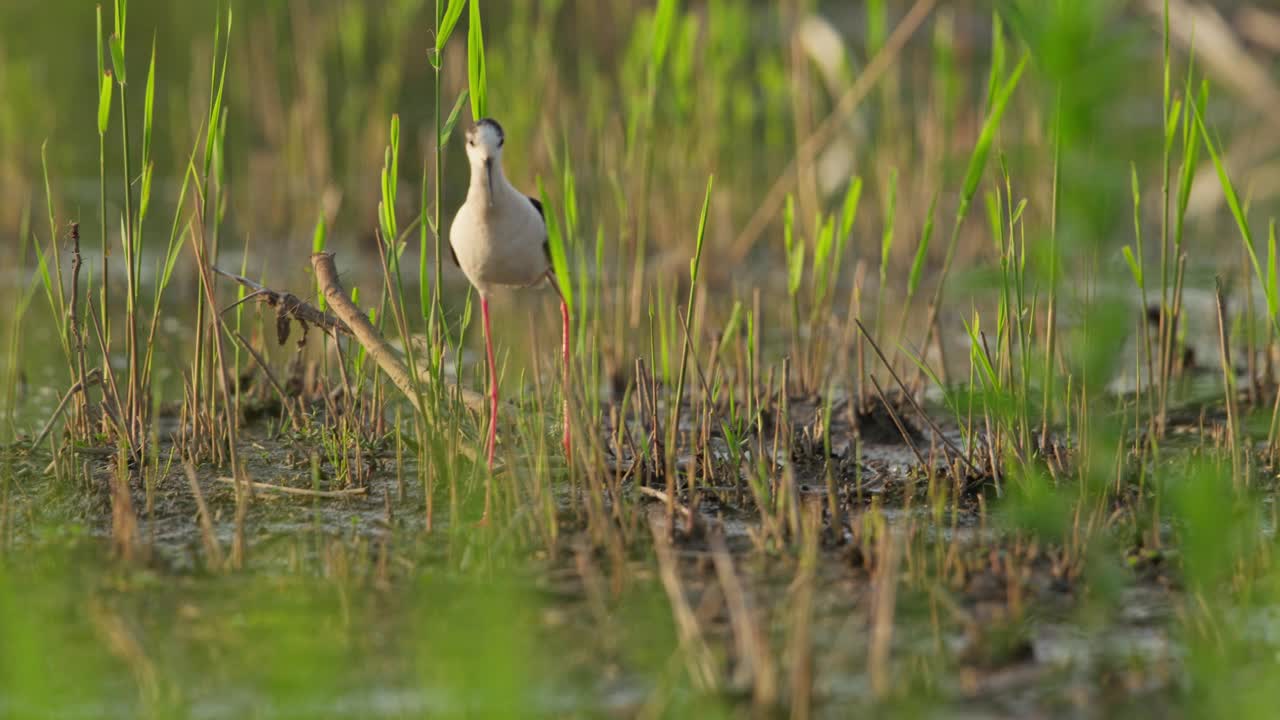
point(501, 142)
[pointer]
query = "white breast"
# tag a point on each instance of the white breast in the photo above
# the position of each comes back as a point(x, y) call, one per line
point(502, 244)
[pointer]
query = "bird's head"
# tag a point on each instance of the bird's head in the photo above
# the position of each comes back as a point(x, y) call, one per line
point(484, 148)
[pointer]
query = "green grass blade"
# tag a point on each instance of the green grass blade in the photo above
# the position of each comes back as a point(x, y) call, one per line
point(175, 231)
point(998, 62)
point(476, 74)
point(447, 23)
point(978, 159)
point(101, 67)
point(848, 213)
point(121, 16)
point(702, 233)
point(42, 267)
point(318, 237)
point(1134, 267)
point(390, 186)
point(979, 355)
point(1273, 283)
point(556, 244)
point(922, 252)
point(117, 59)
point(694, 265)
point(446, 130)
point(569, 186)
point(148, 110)
point(794, 251)
point(1233, 201)
point(886, 236)
point(795, 268)
point(822, 250)
point(849, 209)
point(664, 18)
point(215, 98)
point(104, 102)
point(144, 195)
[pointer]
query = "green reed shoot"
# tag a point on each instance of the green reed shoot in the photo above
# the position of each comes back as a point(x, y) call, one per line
point(319, 237)
point(106, 87)
point(445, 19)
point(202, 400)
point(795, 251)
point(823, 247)
point(1239, 214)
point(52, 279)
point(477, 77)
point(392, 249)
point(918, 264)
point(673, 427)
point(130, 236)
point(848, 215)
point(557, 241)
point(13, 355)
point(168, 263)
point(1170, 113)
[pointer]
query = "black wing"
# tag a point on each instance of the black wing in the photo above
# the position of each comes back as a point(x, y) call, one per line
point(546, 245)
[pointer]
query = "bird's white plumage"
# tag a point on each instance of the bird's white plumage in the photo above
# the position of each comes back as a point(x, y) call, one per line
point(499, 239)
point(498, 235)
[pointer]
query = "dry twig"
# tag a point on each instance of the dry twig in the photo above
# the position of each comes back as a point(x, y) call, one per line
point(387, 358)
point(287, 306)
point(269, 487)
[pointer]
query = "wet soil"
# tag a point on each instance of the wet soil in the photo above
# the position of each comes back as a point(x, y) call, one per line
point(986, 622)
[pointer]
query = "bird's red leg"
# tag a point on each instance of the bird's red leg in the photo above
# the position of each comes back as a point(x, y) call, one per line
point(493, 380)
point(493, 397)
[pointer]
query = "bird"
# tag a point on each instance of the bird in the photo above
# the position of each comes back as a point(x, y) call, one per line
point(499, 239)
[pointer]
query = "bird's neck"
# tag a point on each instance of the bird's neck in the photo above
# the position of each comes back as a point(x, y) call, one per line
point(480, 184)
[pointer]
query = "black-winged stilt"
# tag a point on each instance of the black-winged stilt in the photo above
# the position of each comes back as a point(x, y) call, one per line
point(499, 238)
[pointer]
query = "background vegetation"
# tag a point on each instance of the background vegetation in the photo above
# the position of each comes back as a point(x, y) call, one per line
point(924, 357)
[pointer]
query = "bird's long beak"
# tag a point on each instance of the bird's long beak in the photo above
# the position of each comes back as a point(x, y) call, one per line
point(488, 174)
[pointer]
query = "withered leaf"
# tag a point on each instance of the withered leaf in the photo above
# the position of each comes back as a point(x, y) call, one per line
point(283, 325)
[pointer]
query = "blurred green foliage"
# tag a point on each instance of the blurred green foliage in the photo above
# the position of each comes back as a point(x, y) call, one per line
point(639, 101)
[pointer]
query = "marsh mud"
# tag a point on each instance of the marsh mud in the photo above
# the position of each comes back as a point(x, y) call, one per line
point(985, 621)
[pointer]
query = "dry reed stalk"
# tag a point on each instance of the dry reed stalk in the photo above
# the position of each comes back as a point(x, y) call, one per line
point(124, 644)
point(698, 657)
point(800, 642)
point(124, 522)
point(755, 659)
point(883, 599)
point(211, 547)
